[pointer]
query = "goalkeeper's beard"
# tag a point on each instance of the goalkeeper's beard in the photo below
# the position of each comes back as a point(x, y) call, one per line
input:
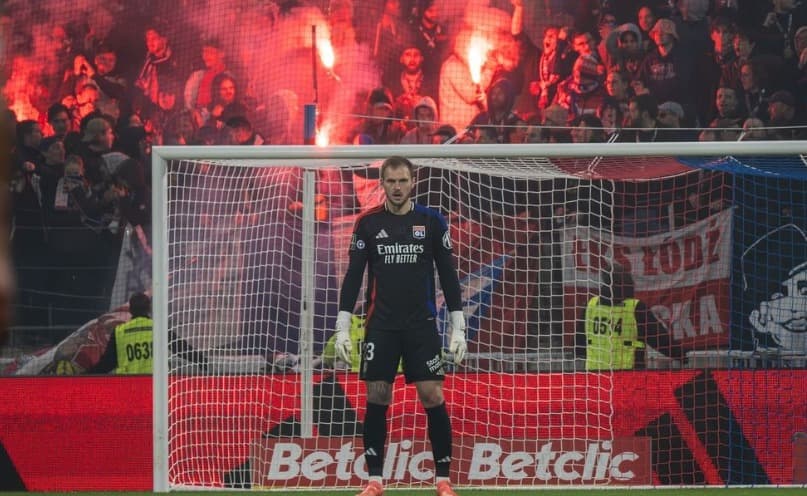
point(398, 205)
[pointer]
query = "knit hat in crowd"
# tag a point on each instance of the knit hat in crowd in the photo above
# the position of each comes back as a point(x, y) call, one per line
point(672, 108)
point(380, 97)
point(665, 26)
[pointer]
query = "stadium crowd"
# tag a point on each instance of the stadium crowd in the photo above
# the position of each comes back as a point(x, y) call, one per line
point(602, 71)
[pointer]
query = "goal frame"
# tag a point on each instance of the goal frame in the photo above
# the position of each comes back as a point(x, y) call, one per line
point(320, 157)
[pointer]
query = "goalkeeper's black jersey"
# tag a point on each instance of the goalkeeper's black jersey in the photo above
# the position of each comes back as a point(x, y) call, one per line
point(400, 253)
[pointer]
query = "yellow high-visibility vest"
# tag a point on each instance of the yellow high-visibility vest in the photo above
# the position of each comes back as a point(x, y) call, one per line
point(612, 335)
point(134, 341)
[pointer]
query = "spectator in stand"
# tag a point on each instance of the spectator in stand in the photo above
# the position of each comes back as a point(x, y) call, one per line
point(54, 153)
point(135, 142)
point(199, 88)
point(586, 47)
point(426, 121)
point(238, 131)
point(132, 192)
point(160, 63)
point(180, 129)
point(29, 236)
point(554, 65)
point(82, 102)
point(692, 23)
point(779, 26)
point(605, 27)
point(782, 111)
point(506, 54)
point(587, 129)
point(671, 118)
point(753, 93)
point(667, 71)
point(112, 95)
point(745, 49)
point(493, 126)
point(625, 44)
point(168, 106)
point(380, 126)
point(460, 99)
point(641, 119)
point(391, 34)
point(670, 115)
point(728, 105)
point(534, 132)
point(431, 38)
point(519, 132)
point(582, 92)
point(617, 88)
point(225, 102)
point(555, 122)
point(646, 19)
point(96, 142)
point(610, 114)
point(408, 87)
point(29, 138)
point(52, 169)
point(722, 33)
point(59, 120)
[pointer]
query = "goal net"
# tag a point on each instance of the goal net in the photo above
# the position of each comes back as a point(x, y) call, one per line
point(251, 244)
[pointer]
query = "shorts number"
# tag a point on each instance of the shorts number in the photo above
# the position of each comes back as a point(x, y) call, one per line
point(369, 351)
point(138, 351)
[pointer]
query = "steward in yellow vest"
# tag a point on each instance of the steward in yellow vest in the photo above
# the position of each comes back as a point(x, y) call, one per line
point(611, 335)
point(616, 327)
point(130, 347)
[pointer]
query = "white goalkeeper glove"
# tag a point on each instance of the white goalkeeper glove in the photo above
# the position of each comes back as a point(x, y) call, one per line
point(457, 345)
point(343, 345)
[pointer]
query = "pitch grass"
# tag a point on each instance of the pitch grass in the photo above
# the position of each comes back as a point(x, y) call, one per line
point(712, 491)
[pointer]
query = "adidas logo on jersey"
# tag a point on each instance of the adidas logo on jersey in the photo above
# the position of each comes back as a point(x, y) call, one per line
point(382, 234)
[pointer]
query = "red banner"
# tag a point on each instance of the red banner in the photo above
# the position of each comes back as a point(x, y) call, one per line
point(682, 275)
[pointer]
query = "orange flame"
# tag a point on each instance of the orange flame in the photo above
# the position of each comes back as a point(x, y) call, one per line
point(478, 50)
point(326, 53)
point(323, 138)
point(20, 87)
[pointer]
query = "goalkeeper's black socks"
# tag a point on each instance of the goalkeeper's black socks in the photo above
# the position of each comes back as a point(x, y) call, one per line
point(440, 437)
point(375, 437)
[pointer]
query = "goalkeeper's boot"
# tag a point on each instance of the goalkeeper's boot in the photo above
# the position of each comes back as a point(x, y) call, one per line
point(444, 489)
point(372, 488)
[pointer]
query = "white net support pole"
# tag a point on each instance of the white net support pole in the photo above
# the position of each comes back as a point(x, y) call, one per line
point(160, 314)
point(307, 308)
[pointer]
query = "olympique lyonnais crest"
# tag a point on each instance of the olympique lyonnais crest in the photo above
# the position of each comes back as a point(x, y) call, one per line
point(419, 232)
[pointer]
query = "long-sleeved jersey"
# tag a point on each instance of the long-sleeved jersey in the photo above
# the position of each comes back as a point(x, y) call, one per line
point(400, 253)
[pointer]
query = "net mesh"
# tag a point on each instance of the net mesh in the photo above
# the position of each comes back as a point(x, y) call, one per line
point(531, 252)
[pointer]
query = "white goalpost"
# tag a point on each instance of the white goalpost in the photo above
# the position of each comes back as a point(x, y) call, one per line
point(250, 246)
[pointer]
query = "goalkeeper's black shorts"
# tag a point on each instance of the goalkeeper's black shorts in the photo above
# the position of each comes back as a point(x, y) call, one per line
point(420, 349)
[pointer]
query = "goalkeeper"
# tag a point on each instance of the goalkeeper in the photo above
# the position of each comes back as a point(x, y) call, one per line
point(400, 243)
